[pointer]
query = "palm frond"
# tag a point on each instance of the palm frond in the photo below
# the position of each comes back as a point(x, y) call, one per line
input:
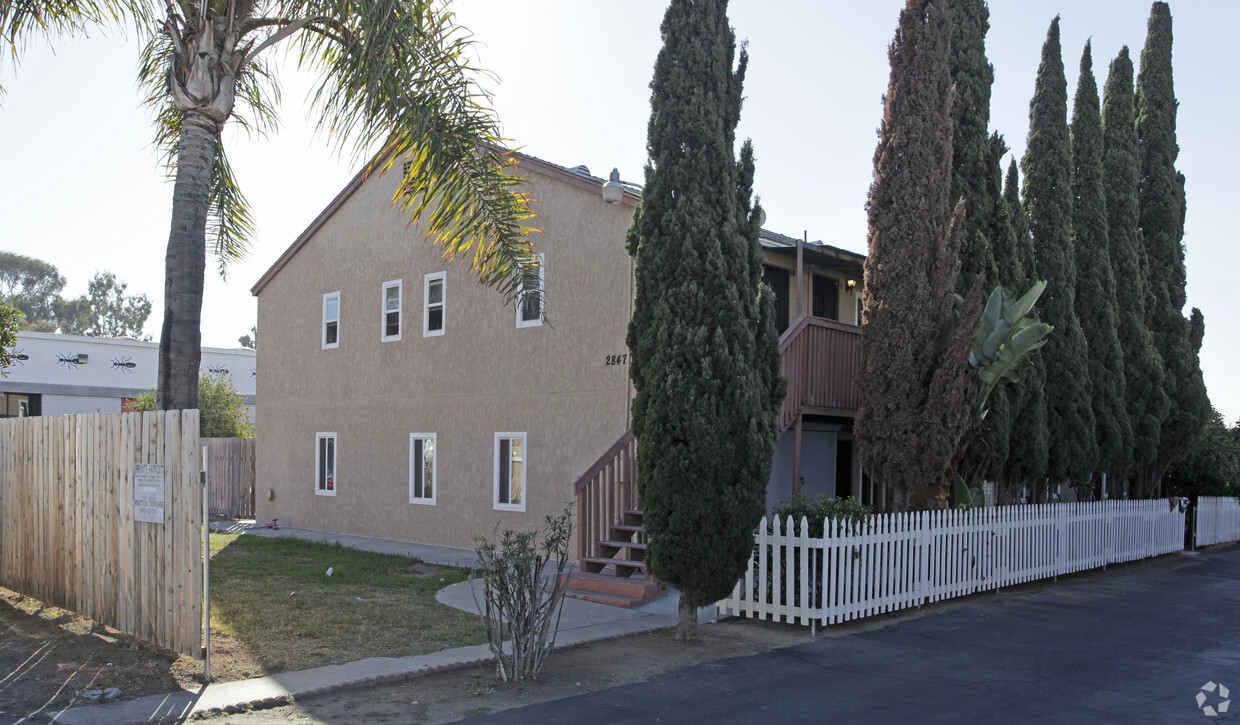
point(23, 20)
point(230, 226)
point(395, 78)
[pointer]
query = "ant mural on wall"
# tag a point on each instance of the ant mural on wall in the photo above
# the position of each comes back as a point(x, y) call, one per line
point(69, 361)
point(124, 364)
point(19, 357)
point(217, 369)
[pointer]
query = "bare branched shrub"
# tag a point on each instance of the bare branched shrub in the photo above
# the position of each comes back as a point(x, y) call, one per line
point(522, 594)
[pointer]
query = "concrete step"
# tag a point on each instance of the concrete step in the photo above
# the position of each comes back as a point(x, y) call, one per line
point(635, 587)
point(611, 600)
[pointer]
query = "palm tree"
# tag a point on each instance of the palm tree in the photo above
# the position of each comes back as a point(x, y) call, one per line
point(395, 87)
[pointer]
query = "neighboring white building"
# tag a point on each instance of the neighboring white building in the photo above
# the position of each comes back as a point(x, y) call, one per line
point(59, 374)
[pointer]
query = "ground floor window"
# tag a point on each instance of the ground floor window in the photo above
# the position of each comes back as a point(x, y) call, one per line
point(422, 461)
point(510, 471)
point(325, 464)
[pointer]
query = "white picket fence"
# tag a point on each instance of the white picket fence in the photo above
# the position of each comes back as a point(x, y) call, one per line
point(1217, 520)
point(895, 561)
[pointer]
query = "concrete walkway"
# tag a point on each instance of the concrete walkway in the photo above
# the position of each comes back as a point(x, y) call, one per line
point(580, 621)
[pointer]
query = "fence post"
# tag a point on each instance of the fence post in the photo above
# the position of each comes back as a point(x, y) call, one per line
point(1061, 534)
point(923, 554)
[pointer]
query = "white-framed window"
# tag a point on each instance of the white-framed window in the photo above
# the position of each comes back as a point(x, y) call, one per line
point(393, 292)
point(433, 304)
point(511, 471)
point(331, 320)
point(530, 302)
point(325, 464)
point(423, 467)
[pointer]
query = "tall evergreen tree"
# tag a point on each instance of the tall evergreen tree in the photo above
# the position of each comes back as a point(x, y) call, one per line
point(1161, 199)
point(977, 177)
point(1095, 281)
point(705, 359)
point(915, 381)
point(1026, 464)
point(972, 147)
point(1072, 453)
point(1145, 397)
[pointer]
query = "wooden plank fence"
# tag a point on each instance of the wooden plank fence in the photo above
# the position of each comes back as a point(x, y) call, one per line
point(70, 533)
point(895, 561)
point(230, 476)
point(1217, 520)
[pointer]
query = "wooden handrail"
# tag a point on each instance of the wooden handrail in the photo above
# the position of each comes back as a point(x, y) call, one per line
point(605, 493)
point(602, 462)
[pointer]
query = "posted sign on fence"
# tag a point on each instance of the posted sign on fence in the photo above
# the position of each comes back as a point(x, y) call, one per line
point(148, 492)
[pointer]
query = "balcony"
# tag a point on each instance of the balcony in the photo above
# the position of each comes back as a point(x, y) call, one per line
point(821, 359)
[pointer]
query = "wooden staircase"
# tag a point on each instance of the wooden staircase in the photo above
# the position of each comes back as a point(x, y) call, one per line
point(617, 576)
point(611, 535)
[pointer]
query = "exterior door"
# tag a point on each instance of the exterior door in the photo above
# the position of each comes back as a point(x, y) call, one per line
point(826, 298)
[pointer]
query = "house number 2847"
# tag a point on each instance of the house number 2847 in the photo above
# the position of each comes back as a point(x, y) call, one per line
point(617, 359)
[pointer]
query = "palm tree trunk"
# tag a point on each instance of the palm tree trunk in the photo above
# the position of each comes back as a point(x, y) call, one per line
point(180, 342)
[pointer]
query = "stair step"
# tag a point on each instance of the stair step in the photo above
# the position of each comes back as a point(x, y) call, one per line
point(621, 567)
point(628, 527)
point(618, 563)
point(624, 544)
point(635, 512)
point(637, 588)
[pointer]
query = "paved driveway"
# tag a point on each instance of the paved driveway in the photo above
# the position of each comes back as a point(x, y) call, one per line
point(1133, 645)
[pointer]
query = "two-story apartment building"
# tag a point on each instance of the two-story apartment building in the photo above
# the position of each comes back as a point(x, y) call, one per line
point(399, 398)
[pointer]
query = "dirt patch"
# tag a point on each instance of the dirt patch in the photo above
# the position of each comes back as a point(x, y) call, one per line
point(49, 655)
point(449, 696)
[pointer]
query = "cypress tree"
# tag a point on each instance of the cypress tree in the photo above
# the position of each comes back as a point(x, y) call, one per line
point(1161, 199)
point(1028, 439)
point(915, 382)
point(1146, 399)
point(977, 177)
point(1072, 452)
point(972, 148)
point(705, 360)
point(1095, 280)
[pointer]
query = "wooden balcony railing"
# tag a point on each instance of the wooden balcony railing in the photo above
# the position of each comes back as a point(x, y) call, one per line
point(821, 359)
point(604, 493)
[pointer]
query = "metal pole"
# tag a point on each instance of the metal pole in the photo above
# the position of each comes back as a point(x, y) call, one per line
point(206, 568)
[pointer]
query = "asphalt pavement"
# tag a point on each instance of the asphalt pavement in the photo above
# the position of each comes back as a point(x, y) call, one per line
point(1136, 644)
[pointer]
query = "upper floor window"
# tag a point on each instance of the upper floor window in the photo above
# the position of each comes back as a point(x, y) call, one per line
point(433, 307)
point(510, 469)
point(422, 468)
point(331, 320)
point(392, 292)
point(325, 464)
point(530, 301)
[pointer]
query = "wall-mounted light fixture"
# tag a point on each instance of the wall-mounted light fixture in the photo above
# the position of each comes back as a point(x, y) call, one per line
point(851, 285)
point(82, 358)
point(613, 190)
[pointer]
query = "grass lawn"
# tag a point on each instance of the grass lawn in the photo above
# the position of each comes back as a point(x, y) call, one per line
point(274, 609)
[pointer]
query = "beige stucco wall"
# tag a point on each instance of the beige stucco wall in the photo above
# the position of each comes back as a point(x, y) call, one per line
point(483, 376)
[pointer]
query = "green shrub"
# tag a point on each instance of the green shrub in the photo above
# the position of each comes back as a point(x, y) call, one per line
point(818, 508)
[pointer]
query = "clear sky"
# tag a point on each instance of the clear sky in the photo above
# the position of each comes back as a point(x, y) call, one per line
point(81, 187)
